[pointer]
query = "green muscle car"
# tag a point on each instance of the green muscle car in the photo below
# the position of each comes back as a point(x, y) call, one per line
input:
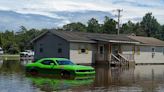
point(61, 66)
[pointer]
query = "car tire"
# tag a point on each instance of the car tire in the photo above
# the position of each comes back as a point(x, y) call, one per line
point(65, 74)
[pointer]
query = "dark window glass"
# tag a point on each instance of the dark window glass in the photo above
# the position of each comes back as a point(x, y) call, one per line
point(153, 52)
point(153, 49)
point(83, 50)
point(59, 50)
point(48, 62)
point(41, 49)
point(64, 62)
point(101, 49)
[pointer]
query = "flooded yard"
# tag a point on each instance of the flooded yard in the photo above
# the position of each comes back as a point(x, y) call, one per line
point(141, 78)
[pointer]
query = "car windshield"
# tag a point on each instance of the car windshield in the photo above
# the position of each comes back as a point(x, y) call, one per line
point(64, 62)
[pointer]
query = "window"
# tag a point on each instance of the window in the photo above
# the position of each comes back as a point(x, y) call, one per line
point(101, 49)
point(41, 49)
point(48, 62)
point(153, 52)
point(83, 50)
point(59, 50)
point(64, 62)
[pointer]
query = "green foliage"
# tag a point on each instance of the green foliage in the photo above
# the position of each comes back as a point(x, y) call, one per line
point(75, 27)
point(109, 26)
point(13, 42)
point(93, 26)
point(161, 33)
point(150, 25)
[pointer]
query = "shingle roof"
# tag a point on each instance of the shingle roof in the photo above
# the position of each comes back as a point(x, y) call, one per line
point(148, 40)
point(89, 37)
point(94, 37)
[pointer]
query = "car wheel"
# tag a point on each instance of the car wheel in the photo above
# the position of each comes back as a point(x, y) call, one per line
point(65, 74)
point(33, 72)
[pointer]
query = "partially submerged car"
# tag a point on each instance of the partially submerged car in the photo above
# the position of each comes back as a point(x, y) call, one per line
point(61, 66)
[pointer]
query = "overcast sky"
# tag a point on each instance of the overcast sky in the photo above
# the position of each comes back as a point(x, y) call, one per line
point(132, 8)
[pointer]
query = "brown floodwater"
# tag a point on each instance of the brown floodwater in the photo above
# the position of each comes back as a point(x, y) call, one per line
point(141, 78)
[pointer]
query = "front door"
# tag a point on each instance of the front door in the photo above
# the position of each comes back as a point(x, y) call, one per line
point(116, 48)
point(101, 51)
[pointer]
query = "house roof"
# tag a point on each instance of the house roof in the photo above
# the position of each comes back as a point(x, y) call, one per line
point(94, 37)
point(148, 40)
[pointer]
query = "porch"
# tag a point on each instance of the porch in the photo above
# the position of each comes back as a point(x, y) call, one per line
point(112, 53)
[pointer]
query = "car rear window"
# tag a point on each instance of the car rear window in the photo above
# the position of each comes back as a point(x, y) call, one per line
point(64, 62)
point(47, 62)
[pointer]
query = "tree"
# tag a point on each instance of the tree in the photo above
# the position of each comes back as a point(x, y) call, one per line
point(109, 26)
point(128, 28)
point(162, 33)
point(138, 30)
point(150, 25)
point(75, 27)
point(93, 26)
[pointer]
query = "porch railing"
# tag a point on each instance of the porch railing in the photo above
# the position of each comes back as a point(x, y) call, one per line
point(115, 60)
point(128, 57)
point(121, 59)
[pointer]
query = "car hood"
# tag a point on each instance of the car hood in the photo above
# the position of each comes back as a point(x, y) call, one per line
point(77, 67)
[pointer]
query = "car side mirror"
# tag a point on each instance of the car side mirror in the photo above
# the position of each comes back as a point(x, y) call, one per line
point(52, 64)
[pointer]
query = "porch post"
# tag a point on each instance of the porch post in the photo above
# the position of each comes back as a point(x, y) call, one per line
point(109, 52)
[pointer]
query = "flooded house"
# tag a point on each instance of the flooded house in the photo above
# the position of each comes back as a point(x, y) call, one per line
point(96, 48)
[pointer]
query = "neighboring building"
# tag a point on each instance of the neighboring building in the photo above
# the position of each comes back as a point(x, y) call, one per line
point(88, 48)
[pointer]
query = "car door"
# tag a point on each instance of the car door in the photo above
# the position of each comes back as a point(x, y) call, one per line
point(47, 67)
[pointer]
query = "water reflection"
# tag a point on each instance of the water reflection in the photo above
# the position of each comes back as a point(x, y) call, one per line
point(147, 78)
point(56, 83)
point(25, 62)
point(143, 78)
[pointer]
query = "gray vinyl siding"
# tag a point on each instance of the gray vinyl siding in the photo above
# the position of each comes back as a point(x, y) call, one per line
point(50, 44)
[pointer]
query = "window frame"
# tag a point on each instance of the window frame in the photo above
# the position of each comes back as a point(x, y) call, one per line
point(101, 51)
point(83, 50)
point(41, 50)
point(57, 61)
point(83, 47)
point(60, 50)
point(153, 50)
